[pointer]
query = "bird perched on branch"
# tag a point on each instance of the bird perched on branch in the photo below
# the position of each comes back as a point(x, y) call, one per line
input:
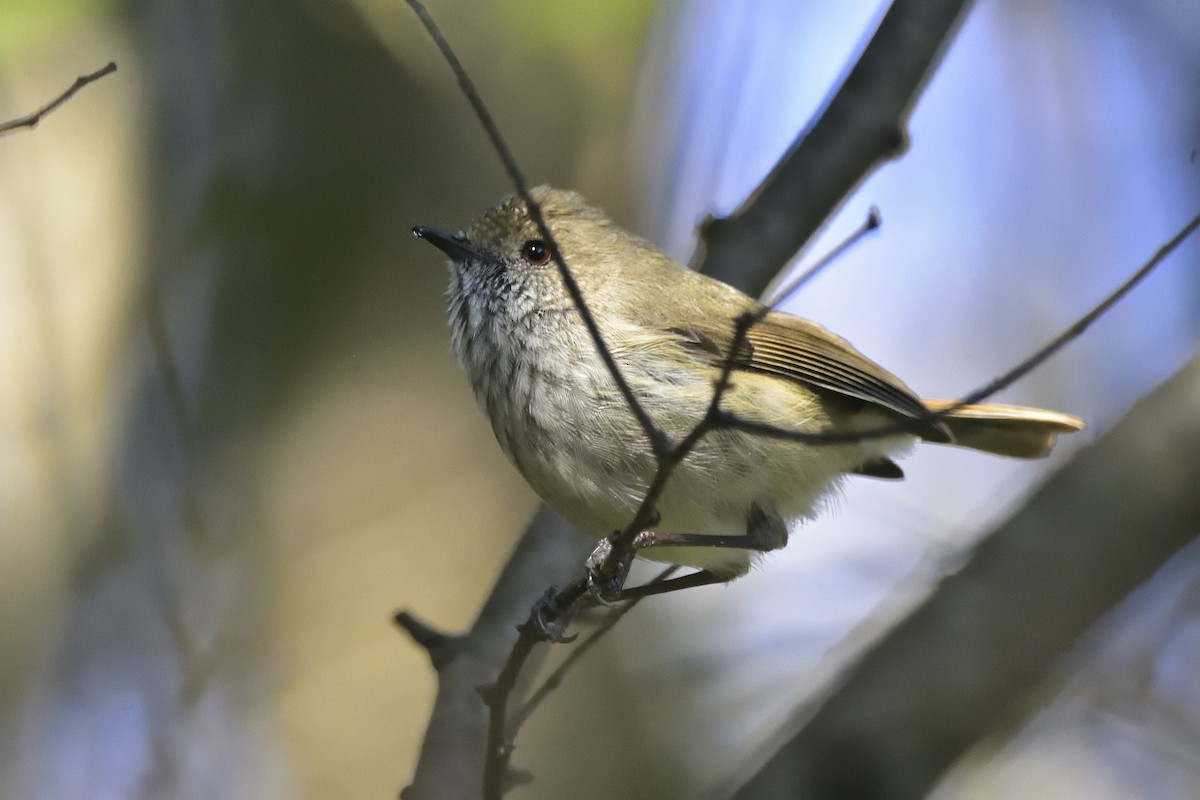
point(802, 410)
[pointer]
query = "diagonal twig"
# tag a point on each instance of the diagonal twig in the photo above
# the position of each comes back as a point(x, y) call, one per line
point(871, 223)
point(656, 437)
point(31, 120)
point(996, 385)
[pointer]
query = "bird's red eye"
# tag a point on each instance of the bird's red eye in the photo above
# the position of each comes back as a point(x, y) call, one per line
point(535, 251)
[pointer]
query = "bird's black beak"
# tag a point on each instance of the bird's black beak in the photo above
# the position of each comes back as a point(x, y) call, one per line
point(454, 245)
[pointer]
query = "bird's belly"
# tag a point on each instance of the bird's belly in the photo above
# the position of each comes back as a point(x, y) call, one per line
point(711, 492)
point(584, 453)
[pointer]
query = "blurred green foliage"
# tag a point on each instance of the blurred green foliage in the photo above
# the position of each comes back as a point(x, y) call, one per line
point(578, 30)
point(29, 24)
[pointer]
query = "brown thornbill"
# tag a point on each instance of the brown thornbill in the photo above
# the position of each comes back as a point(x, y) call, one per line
point(561, 419)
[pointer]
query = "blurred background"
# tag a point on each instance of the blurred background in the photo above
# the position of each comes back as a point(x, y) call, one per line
point(234, 440)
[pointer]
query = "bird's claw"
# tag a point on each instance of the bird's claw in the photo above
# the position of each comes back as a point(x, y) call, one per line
point(606, 588)
point(550, 621)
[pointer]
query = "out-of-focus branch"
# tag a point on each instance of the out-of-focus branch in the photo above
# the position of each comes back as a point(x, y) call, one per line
point(941, 679)
point(862, 126)
point(32, 120)
point(452, 754)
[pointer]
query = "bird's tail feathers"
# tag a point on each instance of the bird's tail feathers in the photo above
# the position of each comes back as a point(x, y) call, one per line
point(1004, 430)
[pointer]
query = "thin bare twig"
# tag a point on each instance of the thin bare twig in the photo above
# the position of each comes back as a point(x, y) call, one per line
point(555, 678)
point(623, 541)
point(32, 120)
point(871, 223)
point(550, 609)
point(1022, 369)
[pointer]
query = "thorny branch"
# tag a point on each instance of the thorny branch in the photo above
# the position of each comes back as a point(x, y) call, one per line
point(545, 619)
point(32, 120)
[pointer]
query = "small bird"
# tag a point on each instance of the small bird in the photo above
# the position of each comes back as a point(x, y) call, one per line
point(561, 420)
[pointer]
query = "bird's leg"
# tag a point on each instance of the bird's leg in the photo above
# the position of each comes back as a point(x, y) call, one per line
point(701, 578)
point(764, 532)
